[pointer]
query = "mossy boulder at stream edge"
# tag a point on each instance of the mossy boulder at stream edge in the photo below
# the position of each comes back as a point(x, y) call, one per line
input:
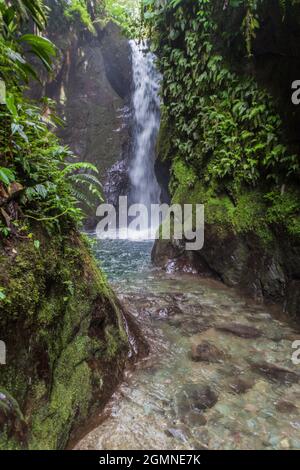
point(65, 339)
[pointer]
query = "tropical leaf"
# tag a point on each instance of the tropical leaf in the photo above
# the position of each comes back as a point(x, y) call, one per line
point(41, 47)
point(7, 176)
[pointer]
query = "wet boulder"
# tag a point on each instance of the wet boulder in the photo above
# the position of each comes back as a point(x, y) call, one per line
point(284, 406)
point(195, 418)
point(275, 373)
point(243, 331)
point(240, 386)
point(206, 352)
point(194, 398)
point(166, 312)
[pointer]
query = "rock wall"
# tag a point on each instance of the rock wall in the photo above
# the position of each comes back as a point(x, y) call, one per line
point(91, 85)
point(65, 337)
point(243, 261)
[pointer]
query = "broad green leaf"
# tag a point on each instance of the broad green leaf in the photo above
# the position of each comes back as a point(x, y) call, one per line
point(10, 103)
point(6, 175)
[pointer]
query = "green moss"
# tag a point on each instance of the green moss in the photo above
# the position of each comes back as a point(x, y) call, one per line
point(71, 393)
point(47, 314)
point(251, 211)
point(284, 209)
point(164, 140)
point(113, 341)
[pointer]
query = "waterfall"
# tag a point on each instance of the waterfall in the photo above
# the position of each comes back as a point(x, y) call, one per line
point(146, 113)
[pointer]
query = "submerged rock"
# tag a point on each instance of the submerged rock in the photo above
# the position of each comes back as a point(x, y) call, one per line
point(206, 352)
point(166, 312)
point(275, 373)
point(243, 331)
point(240, 386)
point(176, 433)
point(193, 327)
point(195, 418)
point(285, 407)
point(194, 398)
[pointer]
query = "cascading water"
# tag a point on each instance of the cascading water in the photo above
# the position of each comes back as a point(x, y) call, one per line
point(144, 186)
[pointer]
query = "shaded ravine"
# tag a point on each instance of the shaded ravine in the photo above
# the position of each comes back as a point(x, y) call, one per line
point(240, 390)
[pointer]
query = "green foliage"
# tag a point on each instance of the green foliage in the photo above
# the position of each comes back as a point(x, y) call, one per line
point(6, 175)
point(52, 183)
point(226, 132)
point(41, 47)
point(126, 14)
point(77, 10)
point(2, 294)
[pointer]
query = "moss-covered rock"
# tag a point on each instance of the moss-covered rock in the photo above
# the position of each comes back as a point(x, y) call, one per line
point(65, 340)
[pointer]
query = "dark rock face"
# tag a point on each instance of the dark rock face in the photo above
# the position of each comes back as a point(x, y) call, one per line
point(206, 352)
point(293, 298)
point(116, 182)
point(171, 256)
point(243, 331)
point(91, 85)
point(271, 273)
point(116, 55)
point(11, 418)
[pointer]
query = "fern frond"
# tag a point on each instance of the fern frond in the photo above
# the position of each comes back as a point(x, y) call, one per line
point(71, 167)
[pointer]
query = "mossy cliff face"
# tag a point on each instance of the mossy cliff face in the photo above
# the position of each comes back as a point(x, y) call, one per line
point(227, 142)
point(250, 243)
point(65, 339)
point(91, 85)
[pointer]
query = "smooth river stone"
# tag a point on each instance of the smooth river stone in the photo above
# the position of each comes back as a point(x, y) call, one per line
point(206, 352)
point(243, 331)
point(285, 407)
point(194, 398)
point(275, 373)
point(240, 386)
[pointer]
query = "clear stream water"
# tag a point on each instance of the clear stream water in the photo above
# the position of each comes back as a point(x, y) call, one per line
point(245, 395)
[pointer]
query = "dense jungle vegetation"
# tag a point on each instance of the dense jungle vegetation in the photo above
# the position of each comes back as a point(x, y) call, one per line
point(41, 177)
point(40, 180)
point(228, 146)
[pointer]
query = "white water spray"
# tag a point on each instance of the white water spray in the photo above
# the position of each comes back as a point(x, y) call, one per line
point(146, 104)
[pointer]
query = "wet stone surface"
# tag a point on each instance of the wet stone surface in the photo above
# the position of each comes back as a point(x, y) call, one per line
point(241, 389)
